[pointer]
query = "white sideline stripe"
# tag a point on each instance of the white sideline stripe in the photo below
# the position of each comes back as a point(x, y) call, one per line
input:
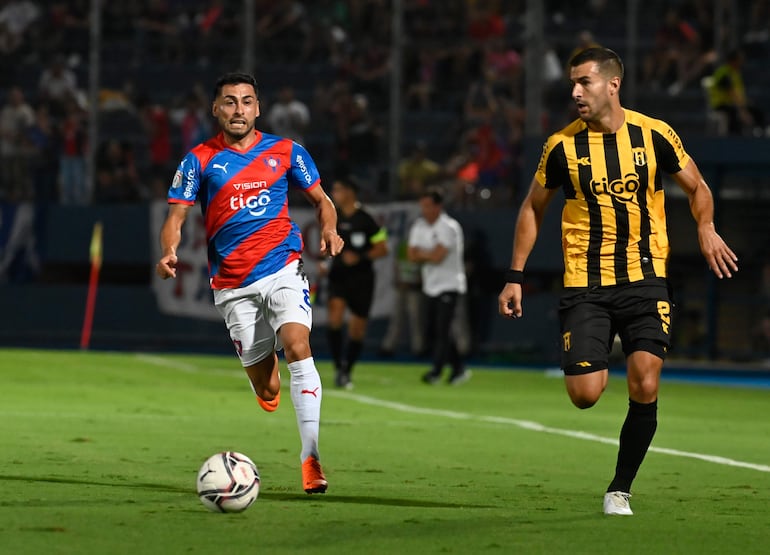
point(524, 424)
point(185, 367)
point(175, 364)
point(537, 427)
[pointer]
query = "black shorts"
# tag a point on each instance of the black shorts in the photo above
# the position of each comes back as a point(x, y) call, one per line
point(355, 288)
point(639, 312)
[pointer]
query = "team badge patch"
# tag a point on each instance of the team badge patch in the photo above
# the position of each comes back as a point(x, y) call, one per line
point(358, 239)
point(640, 157)
point(271, 162)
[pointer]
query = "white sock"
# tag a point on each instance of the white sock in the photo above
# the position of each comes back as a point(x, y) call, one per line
point(306, 393)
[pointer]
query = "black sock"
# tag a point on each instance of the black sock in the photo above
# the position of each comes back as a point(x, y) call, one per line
point(635, 438)
point(335, 346)
point(354, 351)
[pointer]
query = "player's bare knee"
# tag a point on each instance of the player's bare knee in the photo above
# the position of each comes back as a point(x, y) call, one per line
point(643, 390)
point(584, 397)
point(584, 391)
point(583, 401)
point(297, 350)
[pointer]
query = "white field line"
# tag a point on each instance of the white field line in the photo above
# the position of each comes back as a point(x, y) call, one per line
point(524, 424)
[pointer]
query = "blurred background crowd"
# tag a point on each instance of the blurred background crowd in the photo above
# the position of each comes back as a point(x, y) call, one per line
point(466, 115)
point(324, 68)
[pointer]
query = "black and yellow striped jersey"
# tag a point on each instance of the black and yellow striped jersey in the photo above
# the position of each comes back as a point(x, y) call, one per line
point(614, 220)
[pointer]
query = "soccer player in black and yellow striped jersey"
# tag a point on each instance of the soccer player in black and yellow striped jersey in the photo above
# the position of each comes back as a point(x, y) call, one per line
point(609, 164)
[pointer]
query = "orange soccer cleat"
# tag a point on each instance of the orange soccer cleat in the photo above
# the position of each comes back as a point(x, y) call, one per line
point(313, 479)
point(270, 406)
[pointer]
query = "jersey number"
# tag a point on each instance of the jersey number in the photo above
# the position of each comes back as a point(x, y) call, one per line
point(664, 310)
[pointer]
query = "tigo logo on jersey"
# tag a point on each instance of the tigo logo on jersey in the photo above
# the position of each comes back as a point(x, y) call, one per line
point(255, 204)
point(622, 189)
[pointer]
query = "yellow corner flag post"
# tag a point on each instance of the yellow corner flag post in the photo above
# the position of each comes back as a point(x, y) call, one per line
point(93, 282)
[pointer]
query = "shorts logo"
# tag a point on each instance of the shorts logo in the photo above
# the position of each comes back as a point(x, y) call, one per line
point(583, 364)
point(664, 311)
point(567, 341)
point(238, 346)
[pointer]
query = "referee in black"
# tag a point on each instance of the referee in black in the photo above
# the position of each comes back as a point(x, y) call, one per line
point(351, 277)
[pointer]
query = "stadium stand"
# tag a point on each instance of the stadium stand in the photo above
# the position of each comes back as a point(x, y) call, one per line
point(166, 52)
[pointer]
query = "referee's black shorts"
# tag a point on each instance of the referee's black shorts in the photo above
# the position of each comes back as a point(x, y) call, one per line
point(356, 288)
point(639, 312)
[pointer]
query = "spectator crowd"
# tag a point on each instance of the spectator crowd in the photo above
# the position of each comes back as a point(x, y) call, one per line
point(463, 86)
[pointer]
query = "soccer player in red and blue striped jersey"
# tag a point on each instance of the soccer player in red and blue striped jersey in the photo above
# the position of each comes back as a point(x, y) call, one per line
point(241, 178)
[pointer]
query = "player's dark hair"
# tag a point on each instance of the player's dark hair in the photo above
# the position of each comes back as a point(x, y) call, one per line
point(235, 78)
point(435, 193)
point(348, 182)
point(608, 60)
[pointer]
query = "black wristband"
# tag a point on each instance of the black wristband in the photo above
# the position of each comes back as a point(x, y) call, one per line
point(514, 276)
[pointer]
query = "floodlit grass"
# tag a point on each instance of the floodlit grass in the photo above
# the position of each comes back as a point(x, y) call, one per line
point(100, 452)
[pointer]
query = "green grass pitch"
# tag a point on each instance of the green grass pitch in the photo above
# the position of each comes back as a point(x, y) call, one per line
point(99, 453)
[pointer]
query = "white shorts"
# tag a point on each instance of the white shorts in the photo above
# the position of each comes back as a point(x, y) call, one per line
point(254, 314)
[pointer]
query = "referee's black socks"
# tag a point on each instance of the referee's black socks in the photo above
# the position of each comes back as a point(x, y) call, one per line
point(335, 346)
point(354, 351)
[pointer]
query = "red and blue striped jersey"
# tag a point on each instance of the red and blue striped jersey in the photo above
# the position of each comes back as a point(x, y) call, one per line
point(244, 200)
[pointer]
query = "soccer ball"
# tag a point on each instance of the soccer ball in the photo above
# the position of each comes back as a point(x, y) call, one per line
point(228, 482)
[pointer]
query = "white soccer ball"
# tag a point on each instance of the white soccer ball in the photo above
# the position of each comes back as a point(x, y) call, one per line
point(228, 482)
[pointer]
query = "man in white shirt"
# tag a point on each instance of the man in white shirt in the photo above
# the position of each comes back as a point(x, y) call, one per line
point(16, 117)
point(289, 117)
point(58, 86)
point(436, 242)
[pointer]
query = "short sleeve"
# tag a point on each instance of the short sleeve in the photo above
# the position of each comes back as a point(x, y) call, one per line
point(669, 150)
point(552, 171)
point(186, 183)
point(303, 172)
